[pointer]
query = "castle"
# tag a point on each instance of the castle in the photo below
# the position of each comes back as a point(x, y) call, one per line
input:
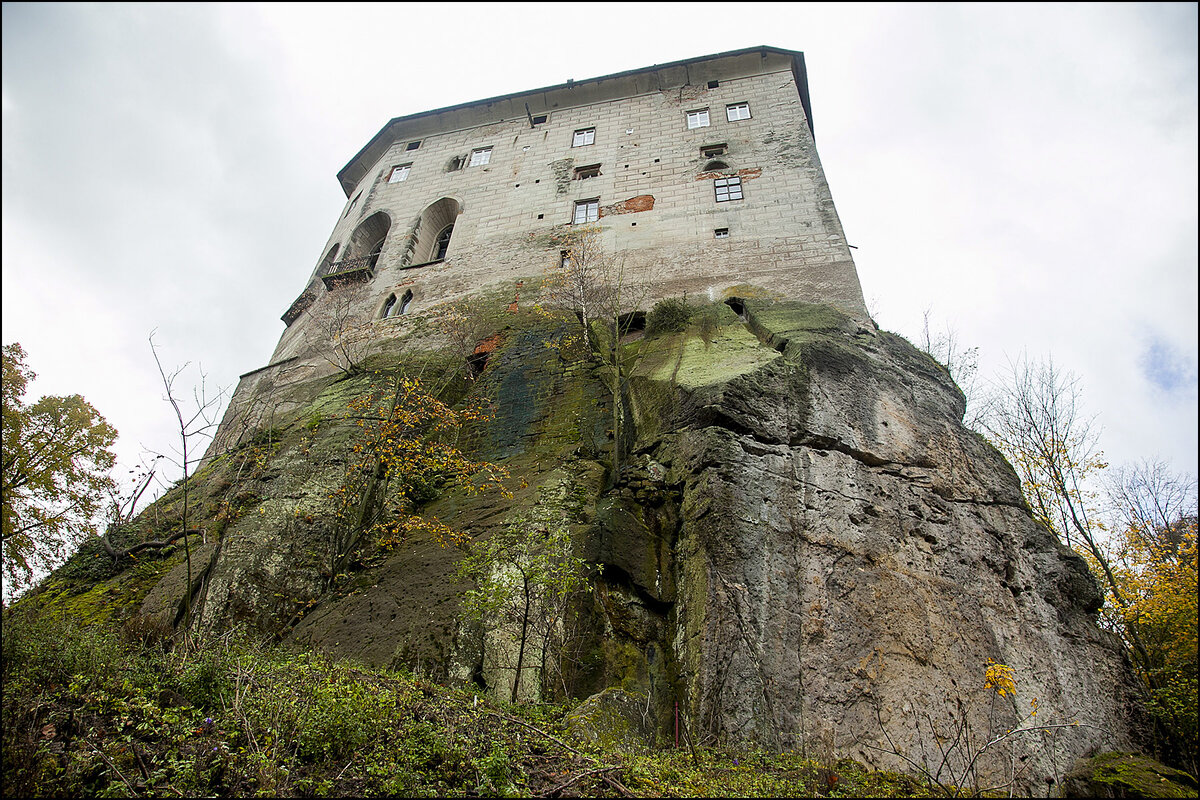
point(707, 166)
point(807, 546)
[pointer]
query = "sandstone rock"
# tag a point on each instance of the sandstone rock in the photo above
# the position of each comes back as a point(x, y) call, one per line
point(1126, 775)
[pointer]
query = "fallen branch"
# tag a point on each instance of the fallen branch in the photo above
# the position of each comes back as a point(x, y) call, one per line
point(586, 773)
point(117, 555)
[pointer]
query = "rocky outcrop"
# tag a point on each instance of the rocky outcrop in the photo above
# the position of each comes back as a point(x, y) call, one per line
point(806, 548)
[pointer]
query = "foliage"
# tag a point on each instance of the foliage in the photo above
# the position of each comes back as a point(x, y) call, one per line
point(87, 713)
point(56, 460)
point(1153, 558)
point(405, 456)
point(523, 575)
point(670, 315)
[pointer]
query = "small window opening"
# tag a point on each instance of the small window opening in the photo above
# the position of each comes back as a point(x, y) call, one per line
point(454, 164)
point(728, 189)
point(480, 157)
point(564, 259)
point(541, 216)
point(388, 306)
point(399, 173)
point(590, 171)
point(713, 84)
point(713, 150)
point(405, 302)
point(443, 243)
point(721, 233)
point(584, 136)
point(737, 111)
point(586, 211)
point(539, 119)
point(715, 166)
point(412, 145)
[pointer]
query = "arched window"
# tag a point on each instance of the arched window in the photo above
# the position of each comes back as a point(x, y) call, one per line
point(443, 242)
point(405, 302)
point(715, 166)
point(388, 306)
point(368, 238)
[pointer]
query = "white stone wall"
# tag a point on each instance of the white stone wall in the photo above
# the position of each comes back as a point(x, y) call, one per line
point(784, 235)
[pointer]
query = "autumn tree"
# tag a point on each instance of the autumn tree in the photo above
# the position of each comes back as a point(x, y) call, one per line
point(1153, 556)
point(56, 462)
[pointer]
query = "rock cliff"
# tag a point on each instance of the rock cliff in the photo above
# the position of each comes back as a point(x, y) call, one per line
point(806, 548)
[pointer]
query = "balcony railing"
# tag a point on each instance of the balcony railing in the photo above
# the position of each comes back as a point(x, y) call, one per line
point(352, 270)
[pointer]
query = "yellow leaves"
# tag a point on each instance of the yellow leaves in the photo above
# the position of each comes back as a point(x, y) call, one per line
point(1000, 678)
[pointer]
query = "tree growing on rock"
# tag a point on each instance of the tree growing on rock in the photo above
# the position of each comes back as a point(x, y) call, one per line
point(56, 462)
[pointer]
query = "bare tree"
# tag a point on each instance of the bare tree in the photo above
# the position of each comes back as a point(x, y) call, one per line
point(603, 291)
point(961, 362)
point(192, 425)
point(339, 337)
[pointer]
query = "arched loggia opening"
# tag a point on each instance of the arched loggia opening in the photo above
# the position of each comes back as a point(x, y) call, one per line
point(362, 252)
point(435, 230)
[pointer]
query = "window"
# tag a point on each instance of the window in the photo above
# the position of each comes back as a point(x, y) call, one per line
point(405, 302)
point(388, 306)
point(443, 243)
point(590, 171)
point(412, 146)
point(728, 189)
point(353, 203)
point(713, 84)
point(737, 111)
point(713, 150)
point(586, 211)
point(539, 119)
point(697, 119)
point(582, 137)
point(721, 233)
point(399, 173)
point(481, 157)
point(715, 166)
point(564, 258)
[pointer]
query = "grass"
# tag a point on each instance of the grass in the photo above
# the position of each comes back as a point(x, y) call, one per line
point(98, 712)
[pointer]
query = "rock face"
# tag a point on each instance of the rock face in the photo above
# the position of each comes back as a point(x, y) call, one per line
point(805, 549)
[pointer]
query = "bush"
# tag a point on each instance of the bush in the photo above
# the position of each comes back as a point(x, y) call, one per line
point(668, 316)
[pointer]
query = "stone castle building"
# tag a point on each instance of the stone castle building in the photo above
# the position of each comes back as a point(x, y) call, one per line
point(707, 167)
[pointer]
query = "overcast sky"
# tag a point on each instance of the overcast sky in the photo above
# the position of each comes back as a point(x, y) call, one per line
point(1026, 172)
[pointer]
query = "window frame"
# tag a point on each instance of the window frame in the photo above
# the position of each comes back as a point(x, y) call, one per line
point(486, 152)
point(587, 171)
point(728, 182)
point(720, 233)
point(391, 178)
point(575, 142)
point(707, 119)
point(412, 146)
point(729, 108)
point(588, 207)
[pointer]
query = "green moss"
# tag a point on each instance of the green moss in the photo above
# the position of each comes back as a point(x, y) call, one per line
point(1127, 775)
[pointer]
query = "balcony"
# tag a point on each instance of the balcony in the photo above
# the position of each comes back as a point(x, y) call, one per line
point(352, 270)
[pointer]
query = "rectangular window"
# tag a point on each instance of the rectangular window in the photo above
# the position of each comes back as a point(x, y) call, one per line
point(591, 171)
point(412, 145)
point(697, 119)
point(728, 189)
point(737, 111)
point(586, 211)
point(582, 137)
point(539, 119)
point(721, 233)
point(481, 157)
point(399, 173)
point(713, 150)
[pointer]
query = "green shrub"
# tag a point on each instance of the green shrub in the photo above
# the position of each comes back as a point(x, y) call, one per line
point(668, 316)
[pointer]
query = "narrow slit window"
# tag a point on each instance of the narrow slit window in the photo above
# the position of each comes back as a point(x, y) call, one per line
point(590, 171)
point(737, 111)
point(399, 173)
point(728, 189)
point(586, 211)
point(481, 157)
point(697, 119)
point(713, 150)
point(583, 137)
point(443, 243)
point(405, 302)
point(388, 306)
